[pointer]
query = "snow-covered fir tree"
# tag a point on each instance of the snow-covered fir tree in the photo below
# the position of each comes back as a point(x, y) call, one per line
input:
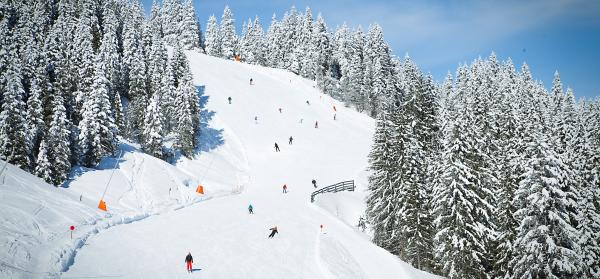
point(153, 129)
point(58, 140)
point(14, 140)
point(212, 37)
point(97, 136)
point(228, 38)
point(546, 245)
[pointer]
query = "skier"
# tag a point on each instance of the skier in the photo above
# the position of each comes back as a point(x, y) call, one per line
point(307, 102)
point(229, 100)
point(291, 139)
point(314, 182)
point(250, 209)
point(251, 81)
point(189, 260)
point(256, 119)
point(301, 119)
point(316, 124)
point(276, 147)
point(284, 188)
point(334, 116)
point(273, 231)
point(279, 110)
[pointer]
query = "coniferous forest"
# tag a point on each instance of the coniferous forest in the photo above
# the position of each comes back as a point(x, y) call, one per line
point(487, 174)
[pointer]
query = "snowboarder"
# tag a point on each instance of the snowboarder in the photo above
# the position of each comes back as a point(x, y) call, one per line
point(314, 182)
point(273, 231)
point(250, 209)
point(189, 260)
point(284, 188)
point(276, 147)
point(316, 124)
point(291, 139)
point(279, 110)
point(251, 81)
point(229, 100)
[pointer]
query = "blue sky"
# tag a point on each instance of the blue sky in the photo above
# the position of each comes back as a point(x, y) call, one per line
point(549, 35)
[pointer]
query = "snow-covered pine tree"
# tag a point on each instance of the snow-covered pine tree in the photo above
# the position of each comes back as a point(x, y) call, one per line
point(460, 204)
point(305, 51)
point(43, 168)
point(110, 55)
point(84, 61)
point(377, 58)
point(340, 57)
point(258, 42)
point(587, 170)
point(137, 93)
point(243, 46)
point(228, 36)
point(546, 245)
point(153, 131)
point(356, 69)
point(97, 137)
point(35, 119)
point(167, 94)
point(185, 132)
point(382, 206)
point(273, 42)
point(213, 37)
point(188, 27)
point(288, 40)
point(14, 144)
point(186, 87)
point(171, 18)
point(510, 147)
point(157, 64)
point(321, 54)
point(58, 140)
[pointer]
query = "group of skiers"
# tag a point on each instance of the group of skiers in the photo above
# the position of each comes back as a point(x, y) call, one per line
point(188, 259)
point(290, 141)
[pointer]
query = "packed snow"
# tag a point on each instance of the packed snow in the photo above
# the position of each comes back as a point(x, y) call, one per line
point(238, 166)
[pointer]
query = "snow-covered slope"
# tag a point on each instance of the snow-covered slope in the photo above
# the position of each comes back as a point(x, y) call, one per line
point(238, 164)
point(35, 217)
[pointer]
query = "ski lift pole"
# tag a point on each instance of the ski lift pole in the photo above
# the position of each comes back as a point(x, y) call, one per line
point(102, 204)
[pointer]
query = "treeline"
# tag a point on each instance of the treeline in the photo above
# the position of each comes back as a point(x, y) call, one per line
point(78, 74)
point(488, 175)
point(350, 65)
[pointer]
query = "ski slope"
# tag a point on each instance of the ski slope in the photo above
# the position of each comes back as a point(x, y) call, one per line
point(238, 167)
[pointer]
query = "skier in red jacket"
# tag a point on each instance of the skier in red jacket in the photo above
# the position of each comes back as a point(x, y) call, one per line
point(189, 260)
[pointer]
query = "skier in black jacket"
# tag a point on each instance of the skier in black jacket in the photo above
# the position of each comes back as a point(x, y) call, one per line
point(273, 231)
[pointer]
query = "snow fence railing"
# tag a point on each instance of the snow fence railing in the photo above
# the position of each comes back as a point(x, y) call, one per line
point(340, 186)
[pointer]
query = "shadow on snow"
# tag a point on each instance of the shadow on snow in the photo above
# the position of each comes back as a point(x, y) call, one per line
point(209, 138)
